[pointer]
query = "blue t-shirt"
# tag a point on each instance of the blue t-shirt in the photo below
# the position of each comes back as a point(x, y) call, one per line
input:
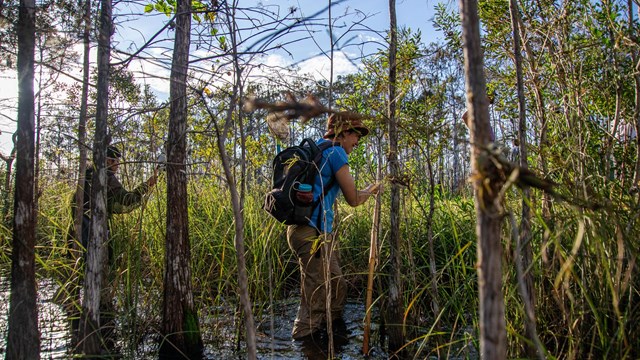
point(333, 158)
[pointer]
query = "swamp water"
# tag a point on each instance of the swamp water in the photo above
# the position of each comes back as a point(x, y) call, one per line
point(273, 332)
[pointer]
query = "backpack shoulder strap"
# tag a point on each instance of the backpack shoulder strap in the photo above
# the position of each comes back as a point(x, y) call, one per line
point(324, 146)
point(315, 149)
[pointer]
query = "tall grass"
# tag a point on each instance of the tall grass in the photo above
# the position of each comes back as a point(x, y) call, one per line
point(586, 283)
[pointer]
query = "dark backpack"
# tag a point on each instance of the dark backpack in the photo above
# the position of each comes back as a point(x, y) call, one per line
point(292, 167)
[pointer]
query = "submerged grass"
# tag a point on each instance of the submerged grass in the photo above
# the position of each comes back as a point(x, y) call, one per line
point(584, 268)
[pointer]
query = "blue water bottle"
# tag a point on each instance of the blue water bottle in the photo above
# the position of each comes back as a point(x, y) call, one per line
point(304, 194)
point(304, 199)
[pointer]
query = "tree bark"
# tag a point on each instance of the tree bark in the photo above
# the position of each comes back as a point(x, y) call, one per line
point(23, 340)
point(487, 184)
point(180, 326)
point(394, 321)
point(236, 201)
point(96, 258)
point(524, 251)
point(541, 114)
point(76, 238)
point(245, 300)
point(82, 121)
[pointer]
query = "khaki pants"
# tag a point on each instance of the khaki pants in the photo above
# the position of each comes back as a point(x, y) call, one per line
point(307, 244)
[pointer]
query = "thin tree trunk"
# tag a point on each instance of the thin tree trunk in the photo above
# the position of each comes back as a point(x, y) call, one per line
point(331, 50)
point(245, 300)
point(636, 113)
point(541, 114)
point(394, 311)
point(243, 282)
point(607, 151)
point(74, 239)
point(239, 245)
point(23, 340)
point(524, 251)
point(180, 326)
point(96, 260)
point(82, 120)
point(327, 245)
point(487, 185)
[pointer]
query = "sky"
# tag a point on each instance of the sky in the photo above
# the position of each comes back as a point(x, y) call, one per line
point(132, 32)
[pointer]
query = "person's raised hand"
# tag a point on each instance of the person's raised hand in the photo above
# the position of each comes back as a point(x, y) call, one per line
point(374, 188)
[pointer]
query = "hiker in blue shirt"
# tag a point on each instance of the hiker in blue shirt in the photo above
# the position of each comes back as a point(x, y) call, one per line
point(307, 240)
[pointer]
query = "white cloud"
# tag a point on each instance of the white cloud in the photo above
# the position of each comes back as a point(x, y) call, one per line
point(155, 73)
point(319, 67)
point(276, 60)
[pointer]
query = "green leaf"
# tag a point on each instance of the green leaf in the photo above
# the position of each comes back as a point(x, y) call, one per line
point(198, 6)
point(148, 8)
point(197, 18)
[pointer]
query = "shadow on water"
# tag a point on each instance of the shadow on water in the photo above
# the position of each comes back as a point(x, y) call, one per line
point(219, 334)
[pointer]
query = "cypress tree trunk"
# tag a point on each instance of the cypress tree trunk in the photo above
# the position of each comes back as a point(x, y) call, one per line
point(394, 319)
point(96, 260)
point(487, 184)
point(23, 341)
point(180, 326)
point(82, 119)
point(74, 293)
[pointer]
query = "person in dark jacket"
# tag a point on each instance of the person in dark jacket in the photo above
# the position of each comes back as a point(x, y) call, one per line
point(119, 199)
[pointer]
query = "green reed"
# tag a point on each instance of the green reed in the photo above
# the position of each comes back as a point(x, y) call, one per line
point(584, 269)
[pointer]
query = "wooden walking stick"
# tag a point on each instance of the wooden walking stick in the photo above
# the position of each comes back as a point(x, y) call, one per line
point(373, 259)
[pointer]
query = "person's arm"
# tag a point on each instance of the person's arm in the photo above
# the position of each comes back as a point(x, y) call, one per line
point(121, 200)
point(354, 196)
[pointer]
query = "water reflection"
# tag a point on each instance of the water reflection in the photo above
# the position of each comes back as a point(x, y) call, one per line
point(219, 332)
point(54, 331)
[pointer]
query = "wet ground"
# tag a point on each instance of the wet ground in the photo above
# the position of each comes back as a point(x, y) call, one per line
point(273, 332)
point(274, 338)
point(54, 333)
